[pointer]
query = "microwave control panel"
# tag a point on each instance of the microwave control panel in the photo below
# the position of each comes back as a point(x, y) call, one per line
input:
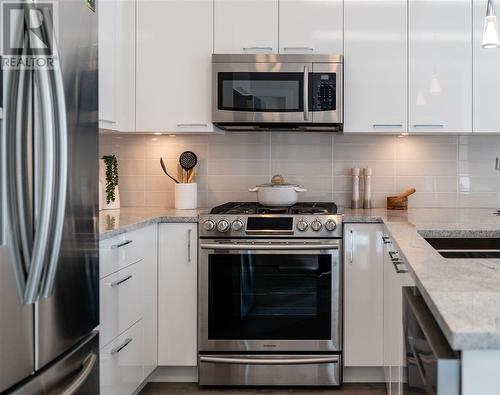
point(323, 89)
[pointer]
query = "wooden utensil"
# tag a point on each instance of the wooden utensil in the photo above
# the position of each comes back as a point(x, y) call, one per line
point(164, 168)
point(400, 202)
point(180, 173)
point(190, 175)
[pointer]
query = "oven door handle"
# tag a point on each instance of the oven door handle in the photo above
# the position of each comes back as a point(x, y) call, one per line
point(246, 247)
point(270, 361)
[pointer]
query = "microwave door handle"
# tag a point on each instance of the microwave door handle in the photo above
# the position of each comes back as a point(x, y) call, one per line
point(306, 93)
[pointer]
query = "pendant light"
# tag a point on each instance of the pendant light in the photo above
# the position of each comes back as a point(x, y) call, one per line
point(490, 32)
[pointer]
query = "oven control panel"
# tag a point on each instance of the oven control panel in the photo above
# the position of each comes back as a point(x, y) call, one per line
point(223, 226)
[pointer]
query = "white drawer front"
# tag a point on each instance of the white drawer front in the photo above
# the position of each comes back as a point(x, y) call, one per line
point(121, 363)
point(123, 250)
point(121, 301)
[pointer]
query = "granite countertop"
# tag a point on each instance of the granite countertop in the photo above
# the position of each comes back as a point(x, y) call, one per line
point(115, 222)
point(463, 294)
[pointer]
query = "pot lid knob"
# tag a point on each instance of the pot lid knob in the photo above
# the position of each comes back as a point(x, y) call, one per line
point(277, 179)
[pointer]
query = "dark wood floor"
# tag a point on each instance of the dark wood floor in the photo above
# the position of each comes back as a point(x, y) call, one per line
point(193, 389)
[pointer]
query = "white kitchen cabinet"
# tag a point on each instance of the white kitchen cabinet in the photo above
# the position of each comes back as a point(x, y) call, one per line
point(375, 72)
point(440, 66)
point(128, 309)
point(121, 363)
point(119, 307)
point(486, 99)
point(393, 349)
point(117, 65)
point(174, 79)
point(121, 251)
point(246, 26)
point(177, 303)
point(363, 295)
point(150, 300)
point(310, 26)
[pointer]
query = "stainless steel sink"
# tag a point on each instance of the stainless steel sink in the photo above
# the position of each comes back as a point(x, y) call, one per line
point(466, 247)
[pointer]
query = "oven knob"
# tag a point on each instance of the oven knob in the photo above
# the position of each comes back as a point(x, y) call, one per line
point(223, 225)
point(237, 225)
point(208, 225)
point(302, 225)
point(316, 225)
point(330, 225)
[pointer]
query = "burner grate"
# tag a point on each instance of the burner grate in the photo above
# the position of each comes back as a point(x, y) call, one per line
point(302, 208)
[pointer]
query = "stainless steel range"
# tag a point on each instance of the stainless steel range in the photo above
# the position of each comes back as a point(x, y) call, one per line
point(270, 299)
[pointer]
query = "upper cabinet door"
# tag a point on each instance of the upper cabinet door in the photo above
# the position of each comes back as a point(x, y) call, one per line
point(174, 49)
point(486, 115)
point(440, 69)
point(310, 26)
point(246, 26)
point(117, 65)
point(375, 76)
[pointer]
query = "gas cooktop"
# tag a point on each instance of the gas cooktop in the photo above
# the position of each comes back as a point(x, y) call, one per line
point(253, 220)
point(305, 208)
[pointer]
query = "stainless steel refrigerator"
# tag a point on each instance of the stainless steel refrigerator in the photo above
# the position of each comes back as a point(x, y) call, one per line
point(49, 264)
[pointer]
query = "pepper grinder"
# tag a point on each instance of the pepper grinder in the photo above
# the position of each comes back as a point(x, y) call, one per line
point(367, 201)
point(355, 171)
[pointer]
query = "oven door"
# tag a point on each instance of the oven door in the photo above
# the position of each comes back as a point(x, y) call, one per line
point(278, 295)
point(261, 92)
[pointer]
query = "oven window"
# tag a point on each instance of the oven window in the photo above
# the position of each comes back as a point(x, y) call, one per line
point(270, 296)
point(261, 92)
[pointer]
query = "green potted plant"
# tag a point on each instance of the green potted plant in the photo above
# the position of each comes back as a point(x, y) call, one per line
point(108, 177)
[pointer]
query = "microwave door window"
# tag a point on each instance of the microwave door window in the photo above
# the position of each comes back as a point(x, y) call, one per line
point(260, 92)
point(260, 296)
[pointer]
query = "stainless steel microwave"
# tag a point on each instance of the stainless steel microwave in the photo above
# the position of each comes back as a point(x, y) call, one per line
point(277, 92)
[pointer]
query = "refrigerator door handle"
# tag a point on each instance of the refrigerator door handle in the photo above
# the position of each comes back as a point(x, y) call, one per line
point(61, 137)
point(44, 213)
point(87, 368)
point(46, 238)
point(14, 240)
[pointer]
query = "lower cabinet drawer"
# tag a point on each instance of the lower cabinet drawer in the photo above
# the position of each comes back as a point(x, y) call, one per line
point(121, 363)
point(120, 301)
point(123, 250)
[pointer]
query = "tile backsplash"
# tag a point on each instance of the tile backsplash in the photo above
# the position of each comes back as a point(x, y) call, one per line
point(447, 171)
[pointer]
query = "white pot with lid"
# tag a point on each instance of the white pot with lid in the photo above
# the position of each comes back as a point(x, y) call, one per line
point(277, 194)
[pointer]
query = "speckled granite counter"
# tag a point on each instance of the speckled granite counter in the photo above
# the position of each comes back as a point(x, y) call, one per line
point(115, 222)
point(463, 294)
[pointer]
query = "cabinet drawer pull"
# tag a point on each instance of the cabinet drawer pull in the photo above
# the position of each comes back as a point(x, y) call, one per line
point(106, 120)
point(189, 245)
point(298, 49)
point(120, 281)
point(398, 270)
point(387, 125)
point(393, 255)
point(428, 125)
point(119, 245)
point(352, 246)
point(257, 48)
point(386, 239)
point(125, 343)
point(192, 125)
